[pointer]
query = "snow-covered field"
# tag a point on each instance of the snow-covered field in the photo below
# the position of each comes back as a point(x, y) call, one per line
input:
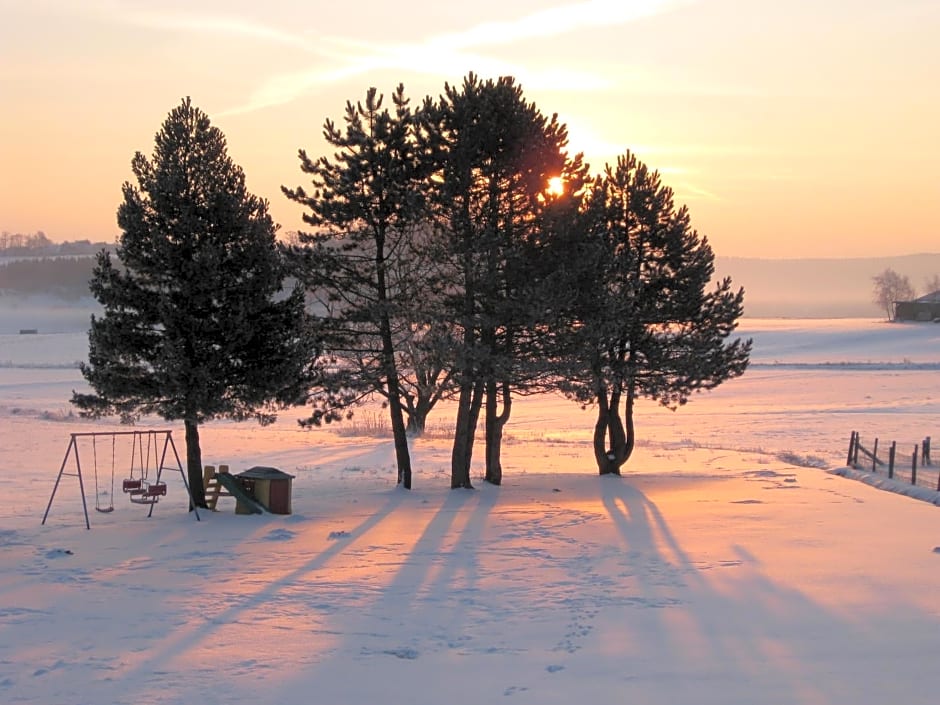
point(727, 566)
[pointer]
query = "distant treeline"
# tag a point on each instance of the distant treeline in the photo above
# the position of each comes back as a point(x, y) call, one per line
point(62, 277)
point(33, 264)
point(39, 245)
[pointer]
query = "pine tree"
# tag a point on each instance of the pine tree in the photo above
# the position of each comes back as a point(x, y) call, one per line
point(642, 321)
point(364, 260)
point(196, 325)
point(498, 154)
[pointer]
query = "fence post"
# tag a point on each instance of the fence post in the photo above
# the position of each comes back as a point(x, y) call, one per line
point(891, 453)
point(848, 460)
point(874, 457)
point(858, 442)
point(914, 467)
point(925, 452)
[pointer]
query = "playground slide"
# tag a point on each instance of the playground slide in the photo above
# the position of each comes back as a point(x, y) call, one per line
point(230, 483)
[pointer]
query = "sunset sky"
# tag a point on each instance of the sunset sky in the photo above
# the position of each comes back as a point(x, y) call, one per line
point(805, 128)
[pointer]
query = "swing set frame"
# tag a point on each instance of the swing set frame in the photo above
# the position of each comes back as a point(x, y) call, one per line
point(139, 489)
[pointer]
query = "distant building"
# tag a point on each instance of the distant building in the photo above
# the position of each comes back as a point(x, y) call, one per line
point(926, 308)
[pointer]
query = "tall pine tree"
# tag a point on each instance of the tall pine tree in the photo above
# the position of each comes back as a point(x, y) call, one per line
point(363, 260)
point(196, 325)
point(497, 153)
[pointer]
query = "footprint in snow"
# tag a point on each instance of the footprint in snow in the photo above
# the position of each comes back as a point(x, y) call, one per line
point(402, 653)
point(335, 535)
point(58, 552)
point(280, 535)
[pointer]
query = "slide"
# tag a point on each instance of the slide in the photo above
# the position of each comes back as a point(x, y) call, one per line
point(232, 484)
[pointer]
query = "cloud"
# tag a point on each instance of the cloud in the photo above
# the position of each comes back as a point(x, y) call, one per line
point(414, 60)
point(448, 54)
point(690, 192)
point(211, 24)
point(452, 54)
point(556, 21)
point(169, 20)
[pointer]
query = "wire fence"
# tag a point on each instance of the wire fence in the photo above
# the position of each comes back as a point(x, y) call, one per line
point(907, 462)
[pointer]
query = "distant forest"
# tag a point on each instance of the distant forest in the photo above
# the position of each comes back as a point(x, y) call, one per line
point(33, 264)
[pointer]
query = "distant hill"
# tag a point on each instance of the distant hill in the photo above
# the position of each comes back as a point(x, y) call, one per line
point(819, 288)
point(773, 288)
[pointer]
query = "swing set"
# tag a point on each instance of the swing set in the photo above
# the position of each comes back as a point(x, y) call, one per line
point(142, 484)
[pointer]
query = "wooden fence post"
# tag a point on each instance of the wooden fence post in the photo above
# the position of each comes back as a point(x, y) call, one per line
point(925, 452)
point(914, 467)
point(891, 453)
point(874, 457)
point(858, 442)
point(852, 440)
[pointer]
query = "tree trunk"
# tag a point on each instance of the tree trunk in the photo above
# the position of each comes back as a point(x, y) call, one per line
point(416, 423)
point(463, 443)
point(609, 437)
point(194, 464)
point(476, 404)
point(600, 432)
point(495, 422)
point(418, 411)
point(400, 434)
point(402, 456)
point(630, 439)
point(468, 413)
point(397, 417)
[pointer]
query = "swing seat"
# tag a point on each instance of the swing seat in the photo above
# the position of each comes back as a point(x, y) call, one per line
point(130, 484)
point(148, 494)
point(104, 510)
point(143, 499)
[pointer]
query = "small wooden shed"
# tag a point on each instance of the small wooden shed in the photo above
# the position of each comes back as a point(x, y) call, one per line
point(270, 486)
point(926, 308)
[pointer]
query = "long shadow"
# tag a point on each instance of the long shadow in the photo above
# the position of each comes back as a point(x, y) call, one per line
point(759, 631)
point(192, 635)
point(438, 558)
point(429, 571)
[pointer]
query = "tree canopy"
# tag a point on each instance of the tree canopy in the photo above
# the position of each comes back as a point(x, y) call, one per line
point(642, 320)
point(458, 250)
point(362, 262)
point(889, 288)
point(454, 250)
point(499, 153)
point(196, 324)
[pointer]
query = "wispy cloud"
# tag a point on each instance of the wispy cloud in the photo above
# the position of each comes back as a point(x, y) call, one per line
point(556, 21)
point(414, 60)
point(692, 193)
point(174, 20)
point(448, 54)
point(454, 53)
point(213, 24)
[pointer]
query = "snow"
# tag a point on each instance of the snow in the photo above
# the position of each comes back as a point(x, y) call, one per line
point(732, 563)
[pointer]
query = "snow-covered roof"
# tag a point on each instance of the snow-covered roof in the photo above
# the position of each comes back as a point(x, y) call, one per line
point(932, 298)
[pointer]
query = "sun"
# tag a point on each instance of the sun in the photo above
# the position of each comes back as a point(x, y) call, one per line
point(556, 186)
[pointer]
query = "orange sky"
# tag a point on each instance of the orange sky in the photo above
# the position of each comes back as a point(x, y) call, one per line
point(791, 129)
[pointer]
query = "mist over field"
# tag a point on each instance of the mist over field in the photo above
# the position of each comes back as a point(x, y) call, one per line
point(819, 288)
point(774, 288)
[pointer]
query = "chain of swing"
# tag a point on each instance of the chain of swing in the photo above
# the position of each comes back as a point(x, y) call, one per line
point(137, 486)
